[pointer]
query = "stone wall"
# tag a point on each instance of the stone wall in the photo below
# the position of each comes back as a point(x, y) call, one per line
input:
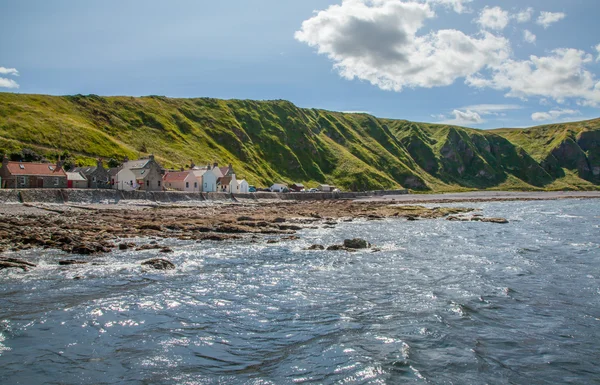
point(115, 196)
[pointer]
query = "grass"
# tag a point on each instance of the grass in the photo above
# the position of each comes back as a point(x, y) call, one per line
point(272, 141)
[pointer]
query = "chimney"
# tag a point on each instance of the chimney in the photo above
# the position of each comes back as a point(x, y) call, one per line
point(181, 169)
point(215, 165)
point(59, 164)
point(151, 157)
point(208, 167)
point(4, 160)
point(192, 165)
point(126, 159)
point(99, 163)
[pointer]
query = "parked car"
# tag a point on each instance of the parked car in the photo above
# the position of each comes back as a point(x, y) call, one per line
point(313, 190)
point(251, 189)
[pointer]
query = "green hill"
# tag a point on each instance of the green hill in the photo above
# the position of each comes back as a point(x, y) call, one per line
point(271, 141)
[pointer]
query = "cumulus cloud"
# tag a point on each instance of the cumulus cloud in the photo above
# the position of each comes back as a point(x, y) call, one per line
point(9, 71)
point(377, 41)
point(464, 118)
point(559, 76)
point(493, 18)
point(529, 37)
point(553, 114)
point(8, 83)
point(548, 18)
point(459, 6)
point(524, 16)
point(598, 50)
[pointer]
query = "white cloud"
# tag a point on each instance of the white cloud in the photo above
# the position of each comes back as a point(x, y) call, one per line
point(493, 18)
point(559, 76)
point(464, 118)
point(491, 109)
point(9, 71)
point(598, 50)
point(459, 6)
point(377, 41)
point(553, 114)
point(529, 37)
point(524, 16)
point(547, 18)
point(8, 83)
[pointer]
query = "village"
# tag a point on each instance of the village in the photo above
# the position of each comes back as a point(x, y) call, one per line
point(144, 174)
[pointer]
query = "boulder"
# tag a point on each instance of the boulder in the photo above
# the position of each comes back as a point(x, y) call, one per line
point(66, 262)
point(356, 243)
point(316, 247)
point(159, 264)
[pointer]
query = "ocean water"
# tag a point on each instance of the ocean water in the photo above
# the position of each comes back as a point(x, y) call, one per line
point(441, 303)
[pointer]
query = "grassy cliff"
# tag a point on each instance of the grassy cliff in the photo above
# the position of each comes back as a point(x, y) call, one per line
point(271, 141)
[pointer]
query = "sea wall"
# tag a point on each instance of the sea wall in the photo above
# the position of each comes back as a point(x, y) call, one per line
point(115, 196)
point(9, 196)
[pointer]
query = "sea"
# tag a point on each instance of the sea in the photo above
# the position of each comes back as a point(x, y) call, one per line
point(441, 302)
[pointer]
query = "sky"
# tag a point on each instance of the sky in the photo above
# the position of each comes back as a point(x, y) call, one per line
point(477, 63)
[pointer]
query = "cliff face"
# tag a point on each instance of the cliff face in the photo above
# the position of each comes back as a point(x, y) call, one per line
point(272, 141)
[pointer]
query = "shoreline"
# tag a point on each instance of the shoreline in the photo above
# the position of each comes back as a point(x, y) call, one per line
point(483, 196)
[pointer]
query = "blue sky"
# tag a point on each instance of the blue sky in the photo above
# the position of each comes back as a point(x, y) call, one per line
point(469, 62)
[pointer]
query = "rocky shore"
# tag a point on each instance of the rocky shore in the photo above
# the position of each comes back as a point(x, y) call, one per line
point(85, 230)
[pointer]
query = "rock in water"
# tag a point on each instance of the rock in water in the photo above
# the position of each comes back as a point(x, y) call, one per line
point(316, 247)
point(14, 262)
point(159, 264)
point(67, 262)
point(356, 243)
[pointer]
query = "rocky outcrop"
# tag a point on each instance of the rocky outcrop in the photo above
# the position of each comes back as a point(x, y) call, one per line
point(356, 243)
point(159, 264)
point(6, 262)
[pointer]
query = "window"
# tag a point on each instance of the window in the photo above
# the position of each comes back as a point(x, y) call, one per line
point(94, 179)
point(158, 183)
point(22, 166)
point(148, 183)
point(56, 181)
point(187, 184)
point(195, 184)
point(23, 181)
point(205, 185)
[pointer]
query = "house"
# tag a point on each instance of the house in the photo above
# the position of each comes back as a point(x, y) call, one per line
point(222, 171)
point(278, 187)
point(243, 187)
point(32, 175)
point(76, 180)
point(148, 174)
point(325, 188)
point(227, 184)
point(181, 181)
point(297, 187)
point(206, 177)
point(97, 177)
point(122, 179)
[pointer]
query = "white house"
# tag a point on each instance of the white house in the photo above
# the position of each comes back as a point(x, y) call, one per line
point(227, 184)
point(123, 179)
point(181, 181)
point(243, 186)
point(278, 187)
point(206, 178)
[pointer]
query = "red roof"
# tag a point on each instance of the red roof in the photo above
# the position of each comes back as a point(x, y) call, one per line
point(224, 170)
point(176, 176)
point(37, 169)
